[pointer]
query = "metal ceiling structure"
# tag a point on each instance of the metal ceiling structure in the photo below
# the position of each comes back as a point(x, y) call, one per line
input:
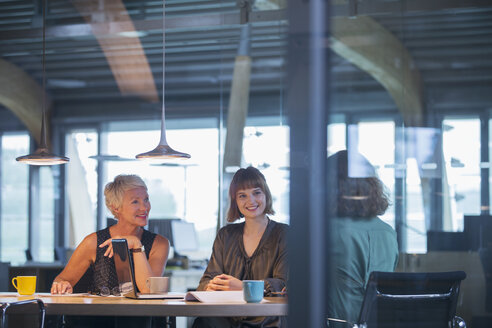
point(449, 40)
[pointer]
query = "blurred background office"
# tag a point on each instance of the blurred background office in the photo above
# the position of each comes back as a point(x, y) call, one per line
point(408, 86)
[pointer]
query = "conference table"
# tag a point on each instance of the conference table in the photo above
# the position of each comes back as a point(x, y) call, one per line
point(90, 305)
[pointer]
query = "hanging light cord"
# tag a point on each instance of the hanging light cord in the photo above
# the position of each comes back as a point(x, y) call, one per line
point(163, 118)
point(42, 155)
point(43, 105)
point(163, 150)
point(163, 54)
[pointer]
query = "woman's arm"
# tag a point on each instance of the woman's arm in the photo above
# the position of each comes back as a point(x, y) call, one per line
point(78, 264)
point(279, 278)
point(215, 266)
point(153, 267)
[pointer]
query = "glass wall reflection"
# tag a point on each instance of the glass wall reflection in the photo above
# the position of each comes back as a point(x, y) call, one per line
point(408, 95)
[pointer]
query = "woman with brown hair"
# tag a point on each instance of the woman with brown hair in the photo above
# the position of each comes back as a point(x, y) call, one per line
point(255, 249)
point(360, 241)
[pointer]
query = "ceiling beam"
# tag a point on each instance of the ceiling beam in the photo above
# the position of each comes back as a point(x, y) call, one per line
point(132, 72)
point(339, 8)
point(375, 50)
point(345, 7)
point(23, 96)
point(198, 21)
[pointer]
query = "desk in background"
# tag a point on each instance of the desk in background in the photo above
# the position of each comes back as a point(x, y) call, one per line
point(184, 280)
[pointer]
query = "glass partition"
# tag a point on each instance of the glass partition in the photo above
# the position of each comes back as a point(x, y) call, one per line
point(410, 92)
point(407, 95)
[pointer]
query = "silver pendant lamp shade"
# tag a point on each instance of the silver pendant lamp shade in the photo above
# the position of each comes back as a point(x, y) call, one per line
point(163, 150)
point(42, 155)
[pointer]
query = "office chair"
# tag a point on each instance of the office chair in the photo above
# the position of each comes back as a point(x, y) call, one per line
point(23, 307)
point(403, 300)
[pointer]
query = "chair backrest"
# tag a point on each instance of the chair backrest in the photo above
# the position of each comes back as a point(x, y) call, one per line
point(20, 314)
point(400, 299)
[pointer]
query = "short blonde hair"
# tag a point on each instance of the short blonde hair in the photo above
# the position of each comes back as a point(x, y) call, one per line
point(114, 191)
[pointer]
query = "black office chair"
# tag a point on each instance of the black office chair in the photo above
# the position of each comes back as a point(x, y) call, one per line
point(21, 308)
point(404, 300)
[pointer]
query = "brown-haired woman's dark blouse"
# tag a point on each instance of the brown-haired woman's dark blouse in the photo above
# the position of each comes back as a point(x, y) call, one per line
point(268, 263)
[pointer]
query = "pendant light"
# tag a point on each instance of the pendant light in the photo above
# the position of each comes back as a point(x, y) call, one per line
point(163, 150)
point(42, 155)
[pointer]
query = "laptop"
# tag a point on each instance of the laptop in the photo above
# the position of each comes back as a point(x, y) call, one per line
point(123, 261)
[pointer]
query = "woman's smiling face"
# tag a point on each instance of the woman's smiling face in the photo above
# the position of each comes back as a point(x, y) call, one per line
point(251, 202)
point(135, 207)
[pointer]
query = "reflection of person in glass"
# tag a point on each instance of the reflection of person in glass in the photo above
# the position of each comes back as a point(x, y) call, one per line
point(361, 242)
point(128, 200)
point(252, 250)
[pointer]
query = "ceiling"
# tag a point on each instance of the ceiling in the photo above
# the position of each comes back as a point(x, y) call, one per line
point(450, 42)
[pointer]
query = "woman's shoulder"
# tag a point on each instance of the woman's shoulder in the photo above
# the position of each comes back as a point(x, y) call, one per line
point(89, 243)
point(277, 233)
point(375, 225)
point(364, 224)
point(279, 227)
point(92, 237)
point(161, 240)
point(231, 227)
point(231, 230)
point(380, 224)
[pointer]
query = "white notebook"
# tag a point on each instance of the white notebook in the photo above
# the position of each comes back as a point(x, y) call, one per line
point(216, 296)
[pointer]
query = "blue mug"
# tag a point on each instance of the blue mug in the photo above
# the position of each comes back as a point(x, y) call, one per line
point(253, 290)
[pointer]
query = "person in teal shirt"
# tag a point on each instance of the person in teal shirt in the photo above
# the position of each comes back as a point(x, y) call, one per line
point(360, 241)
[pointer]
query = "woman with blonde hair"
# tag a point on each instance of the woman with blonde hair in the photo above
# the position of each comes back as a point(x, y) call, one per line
point(91, 267)
point(128, 200)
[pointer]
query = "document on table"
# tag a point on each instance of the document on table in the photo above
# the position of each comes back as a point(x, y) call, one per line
point(73, 294)
point(216, 297)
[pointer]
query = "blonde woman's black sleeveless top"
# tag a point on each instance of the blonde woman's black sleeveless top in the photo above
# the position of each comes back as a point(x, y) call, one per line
point(102, 273)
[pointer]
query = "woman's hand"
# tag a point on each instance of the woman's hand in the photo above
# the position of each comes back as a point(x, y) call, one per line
point(61, 287)
point(133, 242)
point(224, 282)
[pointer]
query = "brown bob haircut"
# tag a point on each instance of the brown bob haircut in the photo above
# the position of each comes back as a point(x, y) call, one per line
point(247, 178)
point(361, 195)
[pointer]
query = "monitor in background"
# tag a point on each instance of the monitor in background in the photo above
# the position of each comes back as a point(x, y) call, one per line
point(478, 231)
point(446, 241)
point(163, 227)
point(184, 236)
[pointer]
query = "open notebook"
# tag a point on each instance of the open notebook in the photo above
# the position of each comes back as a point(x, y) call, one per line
point(123, 261)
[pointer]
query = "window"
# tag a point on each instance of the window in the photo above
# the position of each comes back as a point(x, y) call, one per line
point(187, 190)
point(81, 184)
point(14, 204)
point(461, 183)
point(267, 149)
point(374, 139)
point(44, 232)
